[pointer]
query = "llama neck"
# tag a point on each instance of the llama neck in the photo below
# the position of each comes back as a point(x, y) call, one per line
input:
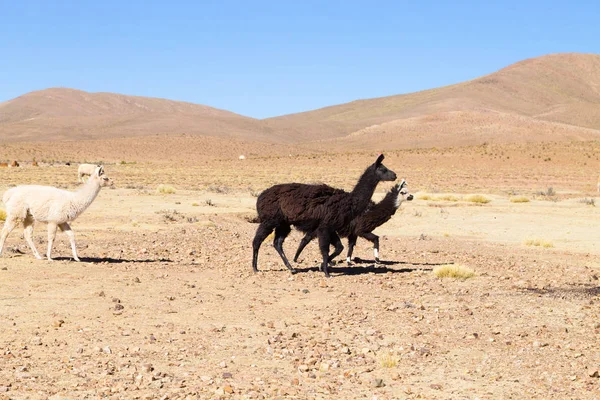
point(363, 191)
point(82, 198)
point(381, 212)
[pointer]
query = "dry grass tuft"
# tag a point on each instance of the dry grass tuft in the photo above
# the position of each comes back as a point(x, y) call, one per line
point(519, 199)
point(165, 189)
point(453, 271)
point(423, 196)
point(388, 360)
point(477, 198)
point(2, 215)
point(538, 243)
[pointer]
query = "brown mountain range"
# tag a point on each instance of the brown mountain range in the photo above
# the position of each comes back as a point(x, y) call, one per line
point(549, 98)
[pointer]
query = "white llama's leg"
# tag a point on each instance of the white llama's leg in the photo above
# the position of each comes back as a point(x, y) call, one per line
point(9, 225)
point(28, 233)
point(51, 235)
point(66, 228)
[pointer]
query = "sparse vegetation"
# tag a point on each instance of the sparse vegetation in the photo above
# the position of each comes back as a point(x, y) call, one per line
point(2, 215)
point(165, 189)
point(195, 204)
point(388, 360)
point(588, 201)
point(210, 203)
point(519, 199)
point(538, 243)
point(453, 271)
point(477, 198)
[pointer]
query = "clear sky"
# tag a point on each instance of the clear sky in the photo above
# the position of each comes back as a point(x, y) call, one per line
point(267, 58)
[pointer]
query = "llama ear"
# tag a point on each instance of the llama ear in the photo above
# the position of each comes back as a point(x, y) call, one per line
point(100, 170)
point(379, 159)
point(402, 184)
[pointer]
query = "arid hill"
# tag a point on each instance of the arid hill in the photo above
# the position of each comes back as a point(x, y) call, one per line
point(503, 106)
point(59, 113)
point(550, 98)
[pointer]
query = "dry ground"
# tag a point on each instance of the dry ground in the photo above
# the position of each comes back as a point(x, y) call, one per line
point(164, 304)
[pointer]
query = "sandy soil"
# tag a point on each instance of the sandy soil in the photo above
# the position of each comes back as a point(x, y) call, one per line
point(165, 304)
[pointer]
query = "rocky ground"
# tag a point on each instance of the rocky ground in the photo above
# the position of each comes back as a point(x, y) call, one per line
point(178, 313)
point(165, 304)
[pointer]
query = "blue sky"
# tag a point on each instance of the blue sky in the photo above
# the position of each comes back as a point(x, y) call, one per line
point(268, 58)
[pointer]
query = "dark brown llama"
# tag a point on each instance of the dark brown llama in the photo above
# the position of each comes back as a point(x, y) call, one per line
point(314, 208)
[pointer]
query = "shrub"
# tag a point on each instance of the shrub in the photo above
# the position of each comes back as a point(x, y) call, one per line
point(423, 196)
point(165, 189)
point(388, 360)
point(477, 198)
point(538, 243)
point(519, 199)
point(588, 201)
point(453, 271)
point(2, 215)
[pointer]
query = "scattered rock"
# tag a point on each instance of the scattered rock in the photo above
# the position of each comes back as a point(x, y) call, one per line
point(378, 383)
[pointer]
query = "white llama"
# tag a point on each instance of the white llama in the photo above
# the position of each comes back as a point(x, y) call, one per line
point(57, 207)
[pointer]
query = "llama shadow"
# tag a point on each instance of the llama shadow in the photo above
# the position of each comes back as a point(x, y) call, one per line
point(363, 267)
point(580, 291)
point(363, 261)
point(97, 260)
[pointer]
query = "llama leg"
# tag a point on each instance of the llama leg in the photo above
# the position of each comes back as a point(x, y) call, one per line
point(9, 225)
point(51, 235)
point(28, 233)
point(373, 238)
point(324, 241)
point(305, 240)
point(337, 243)
point(351, 244)
point(281, 233)
point(66, 228)
point(262, 232)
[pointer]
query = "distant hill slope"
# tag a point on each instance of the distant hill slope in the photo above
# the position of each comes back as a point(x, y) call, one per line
point(562, 88)
point(549, 98)
point(59, 113)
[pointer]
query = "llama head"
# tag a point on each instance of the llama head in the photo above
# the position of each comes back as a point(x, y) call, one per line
point(382, 172)
point(402, 193)
point(101, 177)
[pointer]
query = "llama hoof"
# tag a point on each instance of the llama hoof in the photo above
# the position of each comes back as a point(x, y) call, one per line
point(50, 259)
point(377, 261)
point(77, 259)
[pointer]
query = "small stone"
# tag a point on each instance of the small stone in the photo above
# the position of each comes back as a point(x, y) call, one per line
point(594, 373)
point(370, 332)
point(303, 368)
point(4, 389)
point(59, 323)
point(147, 367)
point(345, 350)
point(365, 350)
point(227, 375)
point(305, 291)
point(295, 381)
point(116, 300)
point(378, 383)
point(324, 367)
point(102, 294)
point(436, 386)
point(228, 389)
point(220, 392)
point(119, 306)
point(107, 350)
point(37, 341)
point(137, 280)
point(223, 364)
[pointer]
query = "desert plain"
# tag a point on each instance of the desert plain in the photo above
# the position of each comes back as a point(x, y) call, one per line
point(164, 304)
